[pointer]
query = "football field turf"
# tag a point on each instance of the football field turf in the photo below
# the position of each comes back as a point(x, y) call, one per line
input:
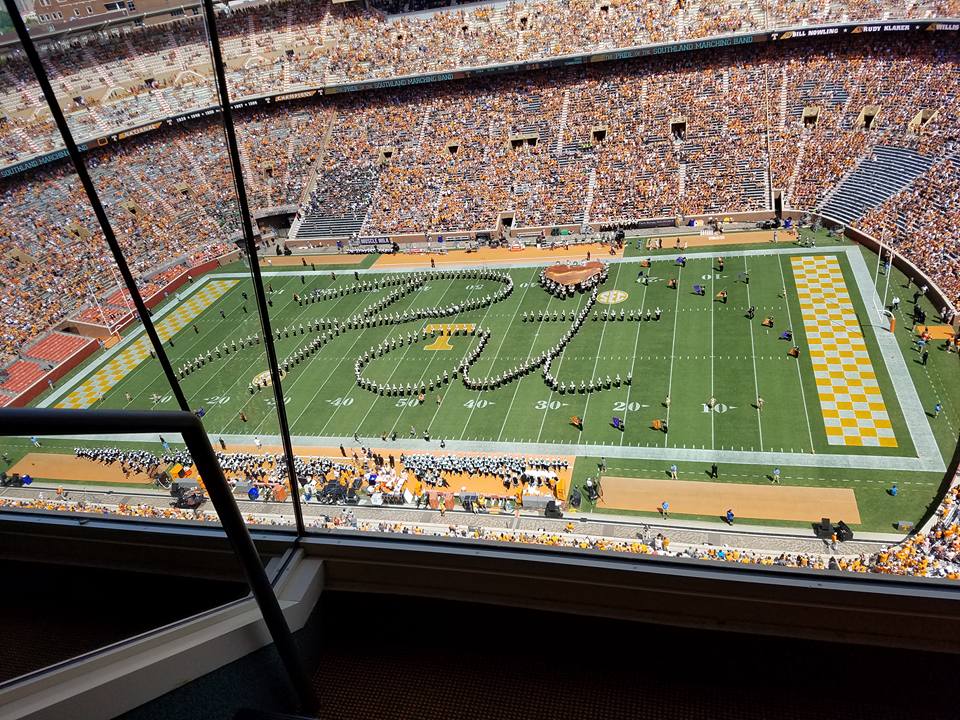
point(701, 348)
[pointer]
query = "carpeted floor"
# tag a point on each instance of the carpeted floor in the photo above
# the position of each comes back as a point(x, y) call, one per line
point(51, 613)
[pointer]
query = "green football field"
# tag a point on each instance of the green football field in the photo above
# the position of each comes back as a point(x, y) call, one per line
point(701, 348)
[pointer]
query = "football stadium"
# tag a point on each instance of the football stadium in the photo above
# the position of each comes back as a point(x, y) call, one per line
point(655, 282)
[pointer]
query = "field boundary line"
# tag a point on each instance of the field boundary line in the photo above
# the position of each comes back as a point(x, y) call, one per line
point(803, 393)
point(526, 264)
point(661, 454)
point(915, 417)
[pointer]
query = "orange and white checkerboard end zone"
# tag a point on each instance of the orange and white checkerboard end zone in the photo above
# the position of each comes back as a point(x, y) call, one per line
point(851, 404)
point(98, 384)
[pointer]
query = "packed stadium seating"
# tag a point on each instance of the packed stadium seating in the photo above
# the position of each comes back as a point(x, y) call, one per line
point(127, 74)
point(920, 222)
point(611, 142)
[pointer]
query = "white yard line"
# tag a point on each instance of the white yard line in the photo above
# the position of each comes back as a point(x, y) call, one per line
point(673, 349)
point(518, 381)
point(753, 358)
point(226, 361)
point(158, 314)
point(497, 354)
point(289, 388)
point(412, 297)
point(330, 375)
point(596, 362)
point(633, 359)
point(425, 368)
point(803, 394)
point(396, 367)
point(546, 410)
point(713, 439)
point(437, 411)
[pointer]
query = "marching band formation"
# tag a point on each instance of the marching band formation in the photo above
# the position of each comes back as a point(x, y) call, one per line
point(373, 315)
point(511, 471)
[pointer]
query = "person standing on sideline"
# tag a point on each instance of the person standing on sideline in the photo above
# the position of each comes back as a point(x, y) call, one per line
point(257, 442)
point(937, 409)
point(923, 357)
point(776, 475)
point(35, 441)
point(759, 404)
point(603, 464)
point(223, 445)
point(673, 472)
point(729, 516)
point(164, 444)
point(713, 471)
point(666, 402)
point(665, 509)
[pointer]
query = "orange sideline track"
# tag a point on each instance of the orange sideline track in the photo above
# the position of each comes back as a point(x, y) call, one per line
point(766, 502)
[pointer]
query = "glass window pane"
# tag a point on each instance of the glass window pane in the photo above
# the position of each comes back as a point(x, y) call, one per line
point(493, 291)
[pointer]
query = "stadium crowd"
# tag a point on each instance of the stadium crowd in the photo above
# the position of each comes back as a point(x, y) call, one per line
point(920, 223)
point(138, 73)
point(934, 553)
point(457, 155)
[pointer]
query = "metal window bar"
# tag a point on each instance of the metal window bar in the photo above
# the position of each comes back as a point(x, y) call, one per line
point(210, 19)
point(81, 169)
point(37, 421)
